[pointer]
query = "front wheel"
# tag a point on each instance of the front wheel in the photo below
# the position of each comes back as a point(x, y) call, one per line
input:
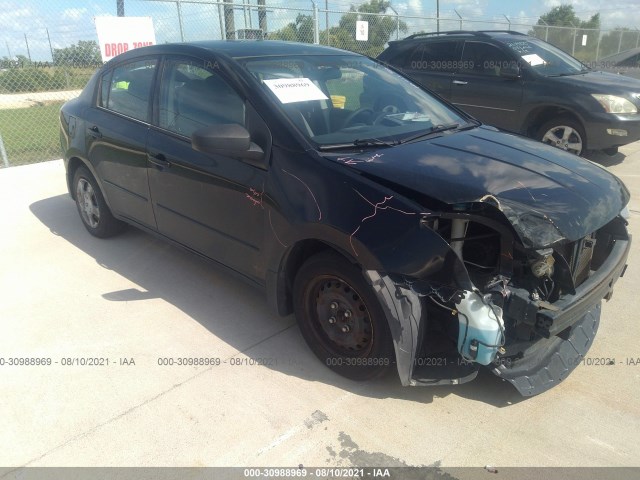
point(93, 210)
point(564, 133)
point(341, 319)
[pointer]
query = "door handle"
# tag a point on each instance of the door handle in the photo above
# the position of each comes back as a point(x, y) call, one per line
point(459, 82)
point(159, 160)
point(95, 132)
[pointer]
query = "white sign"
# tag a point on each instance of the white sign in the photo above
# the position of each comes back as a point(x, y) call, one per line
point(362, 30)
point(117, 35)
point(533, 59)
point(290, 90)
point(584, 40)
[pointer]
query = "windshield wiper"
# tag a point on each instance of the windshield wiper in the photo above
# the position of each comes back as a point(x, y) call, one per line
point(431, 131)
point(359, 142)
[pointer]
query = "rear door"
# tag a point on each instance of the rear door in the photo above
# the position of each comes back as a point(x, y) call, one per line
point(117, 135)
point(432, 64)
point(210, 203)
point(479, 89)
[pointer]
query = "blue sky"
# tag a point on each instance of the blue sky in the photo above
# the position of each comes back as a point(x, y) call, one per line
point(71, 20)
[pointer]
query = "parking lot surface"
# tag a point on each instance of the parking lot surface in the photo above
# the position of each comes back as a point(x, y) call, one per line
point(134, 304)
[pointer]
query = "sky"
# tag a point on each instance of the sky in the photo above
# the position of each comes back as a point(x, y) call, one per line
point(68, 21)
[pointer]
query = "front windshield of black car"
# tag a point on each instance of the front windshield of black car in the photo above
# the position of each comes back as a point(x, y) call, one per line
point(544, 58)
point(346, 100)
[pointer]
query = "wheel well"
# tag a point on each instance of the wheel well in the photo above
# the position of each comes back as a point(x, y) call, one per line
point(541, 115)
point(74, 163)
point(299, 253)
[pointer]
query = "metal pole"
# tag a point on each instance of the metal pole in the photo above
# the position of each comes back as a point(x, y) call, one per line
point(546, 34)
point(3, 153)
point(598, 47)
point(397, 22)
point(438, 16)
point(460, 17)
point(8, 49)
point(326, 18)
point(620, 41)
point(179, 7)
point(50, 47)
point(244, 13)
point(229, 22)
point(120, 7)
point(316, 26)
point(637, 38)
point(222, 32)
point(508, 21)
point(27, 44)
point(262, 17)
point(573, 48)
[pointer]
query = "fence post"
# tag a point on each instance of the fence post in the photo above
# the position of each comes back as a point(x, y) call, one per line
point(620, 41)
point(598, 47)
point(575, 33)
point(3, 153)
point(397, 22)
point(316, 26)
point(179, 7)
point(460, 17)
point(637, 38)
point(223, 35)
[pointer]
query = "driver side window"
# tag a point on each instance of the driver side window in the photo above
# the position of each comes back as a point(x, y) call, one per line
point(193, 97)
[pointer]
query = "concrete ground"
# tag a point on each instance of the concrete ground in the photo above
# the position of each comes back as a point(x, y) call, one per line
point(133, 300)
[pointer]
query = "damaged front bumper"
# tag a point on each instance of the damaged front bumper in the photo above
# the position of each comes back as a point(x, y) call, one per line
point(572, 326)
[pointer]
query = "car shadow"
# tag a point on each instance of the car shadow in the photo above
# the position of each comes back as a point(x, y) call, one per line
point(605, 160)
point(216, 300)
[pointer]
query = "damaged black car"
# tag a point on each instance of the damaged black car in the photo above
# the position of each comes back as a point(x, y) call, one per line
point(413, 239)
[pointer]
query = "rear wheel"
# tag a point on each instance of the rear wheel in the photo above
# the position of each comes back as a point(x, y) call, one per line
point(564, 133)
point(341, 319)
point(93, 210)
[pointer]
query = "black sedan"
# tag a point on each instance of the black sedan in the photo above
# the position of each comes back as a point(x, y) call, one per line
point(416, 238)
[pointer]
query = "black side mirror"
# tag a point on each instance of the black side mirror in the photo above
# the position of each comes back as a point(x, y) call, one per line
point(510, 71)
point(230, 139)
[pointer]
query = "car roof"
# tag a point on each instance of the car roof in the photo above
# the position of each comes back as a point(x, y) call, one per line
point(434, 36)
point(236, 49)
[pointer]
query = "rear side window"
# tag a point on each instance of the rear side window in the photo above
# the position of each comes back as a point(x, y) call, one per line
point(437, 57)
point(127, 89)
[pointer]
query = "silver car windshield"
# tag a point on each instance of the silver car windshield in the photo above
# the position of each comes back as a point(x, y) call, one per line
point(346, 99)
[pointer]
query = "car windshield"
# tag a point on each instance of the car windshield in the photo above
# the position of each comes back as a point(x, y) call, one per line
point(347, 101)
point(544, 58)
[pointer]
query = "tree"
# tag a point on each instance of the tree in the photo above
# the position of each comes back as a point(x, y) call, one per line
point(381, 27)
point(86, 53)
point(301, 30)
point(569, 39)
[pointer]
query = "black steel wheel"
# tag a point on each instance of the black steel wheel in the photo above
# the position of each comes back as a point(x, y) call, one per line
point(341, 319)
point(93, 210)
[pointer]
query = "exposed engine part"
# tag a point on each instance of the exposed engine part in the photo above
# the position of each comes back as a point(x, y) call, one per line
point(543, 266)
point(481, 329)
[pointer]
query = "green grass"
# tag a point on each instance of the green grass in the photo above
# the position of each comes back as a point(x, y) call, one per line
point(31, 134)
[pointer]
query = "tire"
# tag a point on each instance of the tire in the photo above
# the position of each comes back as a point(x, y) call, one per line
point(94, 212)
point(340, 318)
point(565, 133)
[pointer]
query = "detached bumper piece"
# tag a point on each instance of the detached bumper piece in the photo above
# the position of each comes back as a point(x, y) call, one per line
point(551, 364)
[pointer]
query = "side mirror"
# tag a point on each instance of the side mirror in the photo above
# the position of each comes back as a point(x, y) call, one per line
point(510, 71)
point(230, 139)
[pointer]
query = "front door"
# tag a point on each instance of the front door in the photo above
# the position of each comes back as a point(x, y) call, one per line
point(210, 203)
point(479, 89)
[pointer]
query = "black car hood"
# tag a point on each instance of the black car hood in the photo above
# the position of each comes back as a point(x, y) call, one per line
point(602, 82)
point(545, 193)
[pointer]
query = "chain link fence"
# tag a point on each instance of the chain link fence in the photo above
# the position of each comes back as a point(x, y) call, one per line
point(50, 53)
